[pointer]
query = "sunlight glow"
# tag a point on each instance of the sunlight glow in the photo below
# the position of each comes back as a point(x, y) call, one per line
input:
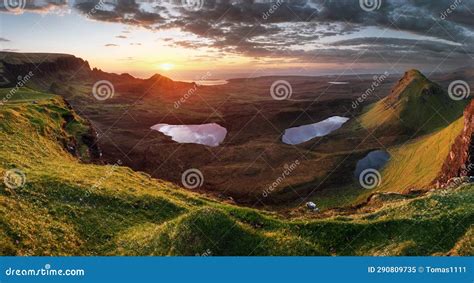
point(166, 66)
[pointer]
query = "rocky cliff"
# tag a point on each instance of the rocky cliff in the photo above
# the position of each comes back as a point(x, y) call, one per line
point(40, 68)
point(53, 73)
point(460, 161)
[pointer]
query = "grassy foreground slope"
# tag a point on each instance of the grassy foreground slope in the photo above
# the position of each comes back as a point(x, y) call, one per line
point(67, 207)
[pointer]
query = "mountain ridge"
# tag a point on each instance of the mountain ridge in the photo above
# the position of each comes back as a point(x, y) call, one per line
point(60, 67)
point(415, 105)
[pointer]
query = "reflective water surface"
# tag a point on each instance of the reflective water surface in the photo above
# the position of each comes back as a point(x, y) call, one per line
point(374, 160)
point(305, 133)
point(207, 134)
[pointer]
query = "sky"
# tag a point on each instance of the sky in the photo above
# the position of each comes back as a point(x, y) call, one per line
point(190, 39)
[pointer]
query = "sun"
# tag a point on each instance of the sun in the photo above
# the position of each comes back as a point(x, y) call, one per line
point(166, 66)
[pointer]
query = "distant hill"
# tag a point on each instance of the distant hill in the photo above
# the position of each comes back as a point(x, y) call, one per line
point(415, 105)
point(58, 73)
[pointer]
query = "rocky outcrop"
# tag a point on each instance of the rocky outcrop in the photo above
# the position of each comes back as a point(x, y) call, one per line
point(52, 72)
point(16, 65)
point(83, 144)
point(460, 161)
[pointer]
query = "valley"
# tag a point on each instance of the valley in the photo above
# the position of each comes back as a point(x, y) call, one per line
point(252, 155)
point(68, 207)
point(101, 181)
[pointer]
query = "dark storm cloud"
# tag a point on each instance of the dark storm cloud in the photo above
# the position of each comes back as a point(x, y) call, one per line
point(379, 53)
point(123, 11)
point(296, 28)
point(422, 17)
point(31, 6)
point(399, 43)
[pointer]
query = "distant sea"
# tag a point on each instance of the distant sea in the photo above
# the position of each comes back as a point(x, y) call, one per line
point(207, 82)
point(339, 83)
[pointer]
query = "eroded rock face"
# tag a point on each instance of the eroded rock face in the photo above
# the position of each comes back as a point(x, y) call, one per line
point(13, 65)
point(460, 161)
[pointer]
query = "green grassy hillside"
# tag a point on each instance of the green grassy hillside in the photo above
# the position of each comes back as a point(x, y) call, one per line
point(419, 161)
point(416, 105)
point(413, 165)
point(69, 207)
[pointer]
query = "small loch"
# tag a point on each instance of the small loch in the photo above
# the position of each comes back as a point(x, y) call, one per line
point(206, 134)
point(374, 160)
point(305, 133)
